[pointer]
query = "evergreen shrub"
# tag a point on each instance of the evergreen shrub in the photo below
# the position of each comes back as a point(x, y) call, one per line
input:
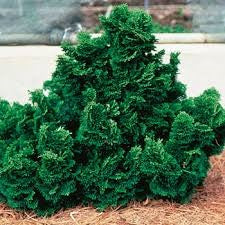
point(112, 125)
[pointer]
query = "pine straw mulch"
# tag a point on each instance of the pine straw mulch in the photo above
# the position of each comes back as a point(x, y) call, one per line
point(207, 208)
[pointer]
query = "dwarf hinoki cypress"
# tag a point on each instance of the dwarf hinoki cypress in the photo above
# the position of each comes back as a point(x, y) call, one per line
point(115, 126)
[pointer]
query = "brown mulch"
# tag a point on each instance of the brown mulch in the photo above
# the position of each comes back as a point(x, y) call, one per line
point(206, 208)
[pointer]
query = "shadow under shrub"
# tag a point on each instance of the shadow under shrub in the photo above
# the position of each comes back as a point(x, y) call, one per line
point(112, 125)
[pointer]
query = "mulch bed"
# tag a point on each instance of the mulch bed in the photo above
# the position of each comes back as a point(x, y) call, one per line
point(206, 208)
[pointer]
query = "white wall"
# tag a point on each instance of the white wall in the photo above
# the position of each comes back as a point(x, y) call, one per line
point(24, 68)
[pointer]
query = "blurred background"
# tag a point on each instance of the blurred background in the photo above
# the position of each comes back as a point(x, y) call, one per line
point(54, 20)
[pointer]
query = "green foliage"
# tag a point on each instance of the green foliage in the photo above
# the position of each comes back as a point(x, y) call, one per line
point(112, 125)
point(159, 28)
point(156, 28)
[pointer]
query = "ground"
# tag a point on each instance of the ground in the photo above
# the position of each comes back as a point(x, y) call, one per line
point(202, 66)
